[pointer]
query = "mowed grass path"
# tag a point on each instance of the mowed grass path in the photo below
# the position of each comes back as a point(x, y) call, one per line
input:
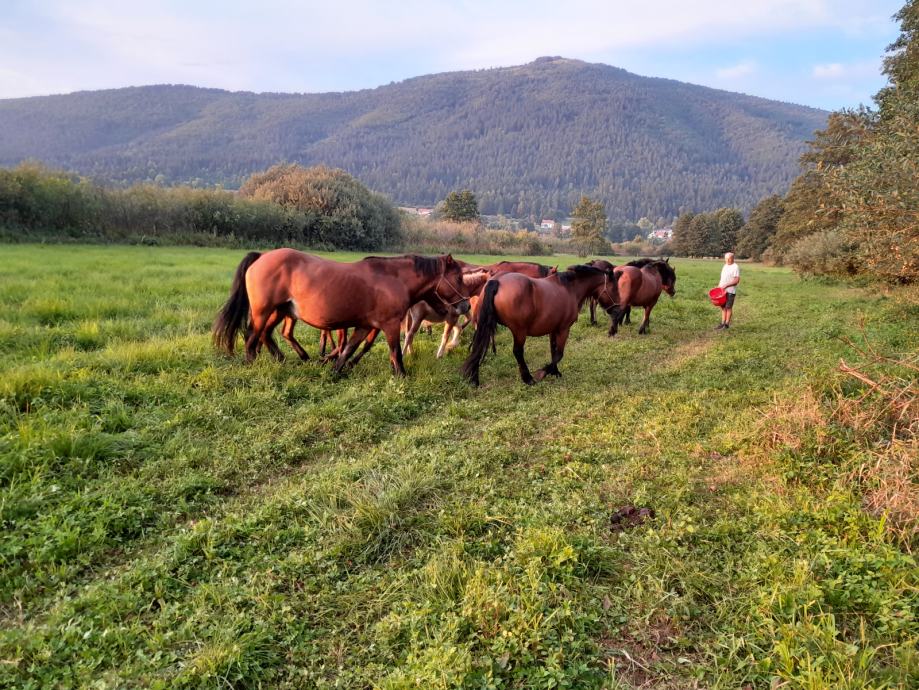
point(174, 518)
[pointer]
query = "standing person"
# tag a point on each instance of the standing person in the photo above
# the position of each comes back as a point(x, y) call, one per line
point(730, 277)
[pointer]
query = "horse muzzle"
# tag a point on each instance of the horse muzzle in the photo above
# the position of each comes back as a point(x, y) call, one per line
point(462, 307)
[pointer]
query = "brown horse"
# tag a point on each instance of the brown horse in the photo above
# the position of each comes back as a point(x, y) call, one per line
point(370, 296)
point(527, 268)
point(534, 307)
point(639, 287)
point(593, 300)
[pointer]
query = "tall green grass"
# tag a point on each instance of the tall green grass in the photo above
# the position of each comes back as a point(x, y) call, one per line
point(174, 518)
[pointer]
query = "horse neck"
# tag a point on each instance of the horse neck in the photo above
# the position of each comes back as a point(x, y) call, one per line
point(582, 288)
point(417, 283)
point(657, 266)
point(403, 269)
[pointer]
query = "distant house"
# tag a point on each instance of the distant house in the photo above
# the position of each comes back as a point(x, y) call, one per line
point(547, 224)
point(662, 235)
point(566, 228)
point(416, 211)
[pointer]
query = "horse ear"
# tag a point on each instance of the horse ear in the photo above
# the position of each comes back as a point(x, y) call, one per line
point(449, 260)
point(667, 260)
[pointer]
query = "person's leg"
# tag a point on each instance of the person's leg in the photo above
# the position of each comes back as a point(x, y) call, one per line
point(729, 309)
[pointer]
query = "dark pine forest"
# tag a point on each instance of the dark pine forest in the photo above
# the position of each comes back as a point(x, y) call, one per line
point(528, 140)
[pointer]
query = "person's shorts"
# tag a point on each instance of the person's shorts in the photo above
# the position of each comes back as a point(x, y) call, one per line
point(730, 303)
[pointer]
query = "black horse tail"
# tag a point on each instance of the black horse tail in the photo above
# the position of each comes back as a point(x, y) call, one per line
point(232, 316)
point(485, 327)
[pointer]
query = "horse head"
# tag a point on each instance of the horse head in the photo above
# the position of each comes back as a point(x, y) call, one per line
point(668, 276)
point(450, 288)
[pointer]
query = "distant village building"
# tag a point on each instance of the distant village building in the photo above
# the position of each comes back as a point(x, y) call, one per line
point(662, 235)
point(416, 211)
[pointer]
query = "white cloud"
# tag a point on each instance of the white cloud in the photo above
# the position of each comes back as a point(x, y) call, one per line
point(305, 44)
point(741, 69)
point(852, 70)
point(832, 70)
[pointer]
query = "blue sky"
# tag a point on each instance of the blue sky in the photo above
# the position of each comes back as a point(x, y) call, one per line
point(823, 53)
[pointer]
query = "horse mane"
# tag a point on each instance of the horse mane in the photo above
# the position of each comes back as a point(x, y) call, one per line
point(641, 263)
point(576, 271)
point(666, 271)
point(427, 266)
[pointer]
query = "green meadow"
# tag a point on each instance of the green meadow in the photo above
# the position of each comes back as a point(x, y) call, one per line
point(172, 518)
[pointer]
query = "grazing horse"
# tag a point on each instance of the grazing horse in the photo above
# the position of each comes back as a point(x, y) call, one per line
point(640, 287)
point(534, 307)
point(370, 296)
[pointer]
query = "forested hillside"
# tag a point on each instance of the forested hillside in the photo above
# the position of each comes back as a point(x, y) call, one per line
point(528, 140)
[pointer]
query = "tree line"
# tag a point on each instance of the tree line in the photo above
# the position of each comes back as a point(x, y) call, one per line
point(854, 209)
point(287, 204)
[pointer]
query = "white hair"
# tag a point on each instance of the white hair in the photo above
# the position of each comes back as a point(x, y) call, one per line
point(727, 254)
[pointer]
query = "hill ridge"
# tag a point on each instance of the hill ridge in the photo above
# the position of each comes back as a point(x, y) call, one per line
point(528, 139)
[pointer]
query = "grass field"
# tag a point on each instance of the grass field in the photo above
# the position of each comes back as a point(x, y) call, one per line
point(172, 518)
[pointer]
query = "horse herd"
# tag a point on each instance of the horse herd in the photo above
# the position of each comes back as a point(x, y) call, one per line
point(392, 294)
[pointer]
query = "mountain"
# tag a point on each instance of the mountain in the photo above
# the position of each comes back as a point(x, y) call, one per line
point(528, 140)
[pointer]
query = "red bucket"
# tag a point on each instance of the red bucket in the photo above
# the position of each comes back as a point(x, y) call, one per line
point(718, 296)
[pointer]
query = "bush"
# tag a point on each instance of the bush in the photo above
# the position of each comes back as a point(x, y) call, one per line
point(349, 215)
point(823, 253)
point(317, 207)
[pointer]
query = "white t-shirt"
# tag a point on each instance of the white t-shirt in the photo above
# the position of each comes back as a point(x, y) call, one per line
point(729, 273)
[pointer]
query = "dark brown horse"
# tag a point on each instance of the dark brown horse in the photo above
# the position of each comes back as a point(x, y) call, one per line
point(534, 307)
point(639, 287)
point(592, 301)
point(370, 296)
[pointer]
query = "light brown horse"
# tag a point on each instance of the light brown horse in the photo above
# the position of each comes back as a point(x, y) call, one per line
point(639, 287)
point(534, 307)
point(426, 313)
point(370, 296)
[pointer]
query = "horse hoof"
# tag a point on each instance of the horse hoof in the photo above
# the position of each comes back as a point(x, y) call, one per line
point(540, 375)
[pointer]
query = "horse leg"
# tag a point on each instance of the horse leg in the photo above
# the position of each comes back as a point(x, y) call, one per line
point(368, 343)
point(267, 338)
point(626, 316)
point(448, 328)
point(412, 326)
point(342, 334)
point(356, 337)
point(557, 347)
point(287, 330)
point(395, 352)
point(457, 332)
point(324, 338)
point(645, 326)
point(521, 362)
point(592, 305)
point(615, 316)
point(258, 318)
